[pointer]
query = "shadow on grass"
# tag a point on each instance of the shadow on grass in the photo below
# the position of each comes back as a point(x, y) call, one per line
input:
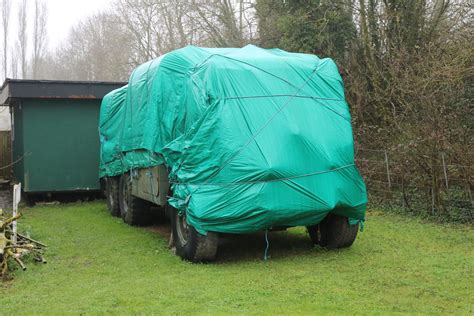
point(251, 247)
point(282, 244)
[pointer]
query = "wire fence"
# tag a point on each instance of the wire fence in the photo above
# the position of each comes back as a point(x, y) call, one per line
point(432, 184)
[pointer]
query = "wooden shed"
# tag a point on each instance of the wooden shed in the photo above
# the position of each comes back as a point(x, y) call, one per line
point(54, 134)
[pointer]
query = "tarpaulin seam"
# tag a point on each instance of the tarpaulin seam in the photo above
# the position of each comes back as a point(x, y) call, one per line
point(248, 64)
point(256, 134)
point(334, 111)
point(297, 96)
point(263, 127)
point(280, 95)
point(266, 181)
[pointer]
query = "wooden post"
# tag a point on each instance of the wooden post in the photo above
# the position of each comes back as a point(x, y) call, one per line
point(445, 171)
point(388, 170)
point(16, 201)
point(432, 200)
point(469, 193)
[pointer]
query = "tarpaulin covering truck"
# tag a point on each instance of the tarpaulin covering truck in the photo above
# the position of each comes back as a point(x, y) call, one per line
point(233, 140)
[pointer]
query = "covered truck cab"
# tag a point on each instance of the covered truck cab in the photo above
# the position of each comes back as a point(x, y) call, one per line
point(250, 139)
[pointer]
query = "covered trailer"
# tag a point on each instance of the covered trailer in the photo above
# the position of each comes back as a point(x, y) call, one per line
point(233, 141)
point(54, 133)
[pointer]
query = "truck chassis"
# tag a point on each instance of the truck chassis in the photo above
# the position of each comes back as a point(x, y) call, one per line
point(141, 195)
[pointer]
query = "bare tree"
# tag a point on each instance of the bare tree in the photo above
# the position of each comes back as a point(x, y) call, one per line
point(39, 35)
point(176, 24)
point(141, 18)
point(22, 39)
point(93, 50)
point(14, 63)
point(159, 26)
point(156, 26)
point(6, 5)
point(224, 22)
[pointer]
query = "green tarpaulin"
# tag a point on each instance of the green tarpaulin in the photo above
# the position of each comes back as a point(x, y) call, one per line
point(252, 138)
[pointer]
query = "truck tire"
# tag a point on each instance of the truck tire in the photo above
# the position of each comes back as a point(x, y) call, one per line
point(190, 244)
point(313, 232)
point(133, 210)
point(333, 232)
point(112, 195)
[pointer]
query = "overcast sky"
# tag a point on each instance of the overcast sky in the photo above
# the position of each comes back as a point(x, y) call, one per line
point(62, 14)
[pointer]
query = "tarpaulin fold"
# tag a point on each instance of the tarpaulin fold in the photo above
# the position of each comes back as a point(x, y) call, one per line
point(252, 138)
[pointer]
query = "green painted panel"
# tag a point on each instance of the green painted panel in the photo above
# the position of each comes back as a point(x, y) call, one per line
point(60, 144)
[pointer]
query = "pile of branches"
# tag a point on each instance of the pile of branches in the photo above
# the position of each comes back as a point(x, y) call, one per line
point(15, 246)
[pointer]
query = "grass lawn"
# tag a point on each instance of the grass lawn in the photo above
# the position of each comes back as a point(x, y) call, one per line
point(97, 264)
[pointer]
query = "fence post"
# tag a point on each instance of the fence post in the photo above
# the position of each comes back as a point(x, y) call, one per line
point(388, 170)
point(469, 193)
point(432, 201)
point(16, 201)
point(445, 171)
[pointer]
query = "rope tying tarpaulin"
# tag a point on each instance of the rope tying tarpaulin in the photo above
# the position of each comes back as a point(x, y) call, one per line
point(252, 138)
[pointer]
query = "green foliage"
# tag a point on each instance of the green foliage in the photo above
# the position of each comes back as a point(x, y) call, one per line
point(97, 264)
point(408, 72)
point(321, 27)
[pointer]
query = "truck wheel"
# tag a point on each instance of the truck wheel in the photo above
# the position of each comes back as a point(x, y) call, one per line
point(190, 244)
point(112, 195)
point(133, 210)
point(313, 232)
point(336, 232)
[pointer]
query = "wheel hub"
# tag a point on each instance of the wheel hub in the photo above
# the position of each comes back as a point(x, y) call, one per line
point(111, 200)
point(125, 197)
point(182, 228)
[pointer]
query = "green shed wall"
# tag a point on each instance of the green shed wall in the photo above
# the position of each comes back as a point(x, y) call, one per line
point(17, 144)
point(58, 140)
